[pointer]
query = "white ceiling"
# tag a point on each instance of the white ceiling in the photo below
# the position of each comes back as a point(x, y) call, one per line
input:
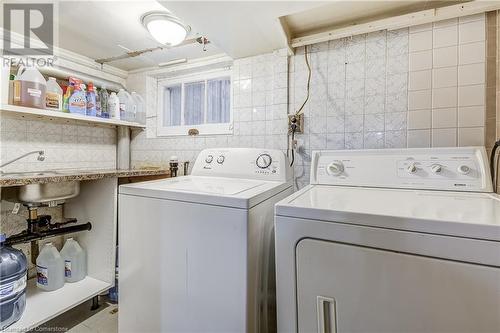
point(97, 28)
point(240, 28)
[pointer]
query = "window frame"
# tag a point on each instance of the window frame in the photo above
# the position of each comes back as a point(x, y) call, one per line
point(204, 128)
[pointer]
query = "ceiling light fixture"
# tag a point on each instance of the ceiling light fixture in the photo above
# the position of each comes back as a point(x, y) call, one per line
point(165, 28)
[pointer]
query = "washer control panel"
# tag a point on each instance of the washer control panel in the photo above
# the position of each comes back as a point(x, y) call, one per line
point(458, 169)
point(243, 163)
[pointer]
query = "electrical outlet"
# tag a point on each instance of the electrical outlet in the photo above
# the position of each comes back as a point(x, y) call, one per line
point(299, 121)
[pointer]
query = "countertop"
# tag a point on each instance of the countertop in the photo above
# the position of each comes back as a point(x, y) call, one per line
point(42, 177)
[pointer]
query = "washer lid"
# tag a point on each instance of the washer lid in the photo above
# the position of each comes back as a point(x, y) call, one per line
point(474, 215)
point(231, 192)
point(208, 185)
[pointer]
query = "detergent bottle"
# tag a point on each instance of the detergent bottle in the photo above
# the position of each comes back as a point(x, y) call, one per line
point(78, 101)
point(53, 95)
point(91, 100)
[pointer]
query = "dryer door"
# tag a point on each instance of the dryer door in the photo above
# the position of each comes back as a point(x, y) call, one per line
point(347, 288)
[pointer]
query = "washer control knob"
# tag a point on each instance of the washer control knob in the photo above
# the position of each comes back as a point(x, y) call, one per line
point(335, 168)
point(220, 159)
point(263, 161)
point(436, 168)
point(463, 169)
point(209, 159)
point(412, 168)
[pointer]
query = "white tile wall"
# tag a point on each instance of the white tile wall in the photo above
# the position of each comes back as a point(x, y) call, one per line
point(66, 146)
point(455, 96)
point(259, 110)
point(365, 80)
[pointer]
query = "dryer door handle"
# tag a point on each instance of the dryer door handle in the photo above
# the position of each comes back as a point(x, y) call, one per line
point(327, 314)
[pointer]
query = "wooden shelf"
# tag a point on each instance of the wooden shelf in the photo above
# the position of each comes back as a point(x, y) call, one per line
point(49, 114)
point(42, 306)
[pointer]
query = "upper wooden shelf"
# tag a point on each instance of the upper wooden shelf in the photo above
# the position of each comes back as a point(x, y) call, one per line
point(49, 114)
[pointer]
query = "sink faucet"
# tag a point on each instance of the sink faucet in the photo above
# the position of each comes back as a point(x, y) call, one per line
point(40, 157)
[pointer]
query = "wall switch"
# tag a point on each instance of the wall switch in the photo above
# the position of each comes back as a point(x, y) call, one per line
point(299, 121)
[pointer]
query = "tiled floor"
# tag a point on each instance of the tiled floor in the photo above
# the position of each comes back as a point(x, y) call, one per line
point(83, 320)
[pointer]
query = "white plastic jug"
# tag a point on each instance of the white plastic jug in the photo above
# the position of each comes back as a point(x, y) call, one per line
point(125, 104)
point(140, 114)
point(53, 95)
point(29, 88)
point(49, 268)
point(114, 106)
point(75, 261)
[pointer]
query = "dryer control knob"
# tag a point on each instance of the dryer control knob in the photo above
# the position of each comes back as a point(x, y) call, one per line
point(263, 161)
point(463, 169)
point(335, 168)
point(412, 168)
point(209, 159)
point(436, 168)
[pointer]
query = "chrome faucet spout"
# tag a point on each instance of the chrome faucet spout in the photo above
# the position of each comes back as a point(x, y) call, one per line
point(40, 157)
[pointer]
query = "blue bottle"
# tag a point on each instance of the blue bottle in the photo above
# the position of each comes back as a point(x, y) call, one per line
point(78, 101)
point(13, 267)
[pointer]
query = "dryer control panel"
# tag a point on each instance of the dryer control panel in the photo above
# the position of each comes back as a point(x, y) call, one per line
point(252, 163)
point(457, 169)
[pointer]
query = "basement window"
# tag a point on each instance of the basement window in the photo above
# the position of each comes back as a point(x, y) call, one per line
point(200, 104)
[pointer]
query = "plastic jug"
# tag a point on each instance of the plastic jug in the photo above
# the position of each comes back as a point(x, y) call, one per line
point(29, 88)
point(114, 106)
point(13, 266)
point(75, 264)
point(123, 98)
point(49, 268)
point(53, 95)
point(140, 115)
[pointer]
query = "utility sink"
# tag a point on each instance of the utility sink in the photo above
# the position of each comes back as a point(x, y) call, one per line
point(42, 193)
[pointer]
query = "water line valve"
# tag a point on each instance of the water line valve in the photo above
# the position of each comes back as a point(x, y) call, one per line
point(295, 123)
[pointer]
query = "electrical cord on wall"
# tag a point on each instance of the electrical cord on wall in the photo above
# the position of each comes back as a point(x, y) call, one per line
point(293, 121)
point(494, 166)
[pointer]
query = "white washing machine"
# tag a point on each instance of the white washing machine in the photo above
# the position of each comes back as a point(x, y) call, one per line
point(391, 241)
point(197, 252)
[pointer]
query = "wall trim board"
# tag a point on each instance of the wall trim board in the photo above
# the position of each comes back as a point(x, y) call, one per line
point(398, 22)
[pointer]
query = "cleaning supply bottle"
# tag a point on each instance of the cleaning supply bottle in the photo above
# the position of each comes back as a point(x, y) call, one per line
point(91, 100)
point(98, 111)
point(53, 95)
point(49, 268)
point(78, 101)
point(114, 106)
point(103, 93)
point(29, 88)
point(75, 265)
point(69, 91)
point(124, 104)
point(13, 267)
